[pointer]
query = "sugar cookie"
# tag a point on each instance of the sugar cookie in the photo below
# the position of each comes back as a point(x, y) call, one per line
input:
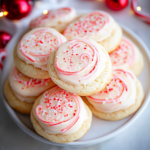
point(80, 66)
point(57, 19)
point(128, 56)
point(32, 52)
point(60, 116)
point(14, 102)
point(122, 97)
point(21, 91)
point(97, 25)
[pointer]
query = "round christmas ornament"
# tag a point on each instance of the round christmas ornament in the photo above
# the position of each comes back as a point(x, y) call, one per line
point(116, 4)
point(17, 9)
point(4, 38)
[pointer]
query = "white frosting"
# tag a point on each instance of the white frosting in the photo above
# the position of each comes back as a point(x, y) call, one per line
point(119, 94)
point(25, 88)
point(80, 61)
point(58, 109)
point(36, 46)
point(97, 25)
point(126, 55)
point(27, 99)
point(54, 18)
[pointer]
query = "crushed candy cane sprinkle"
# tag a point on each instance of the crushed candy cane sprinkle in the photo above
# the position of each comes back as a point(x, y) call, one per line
point(58, 106)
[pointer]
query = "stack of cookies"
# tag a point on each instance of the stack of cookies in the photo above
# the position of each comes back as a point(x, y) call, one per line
point(68, 67)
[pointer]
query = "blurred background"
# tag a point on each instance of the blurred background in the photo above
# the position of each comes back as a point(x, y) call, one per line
point(15, 16)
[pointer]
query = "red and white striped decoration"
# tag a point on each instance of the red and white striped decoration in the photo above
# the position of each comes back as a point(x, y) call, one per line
point(145, 17)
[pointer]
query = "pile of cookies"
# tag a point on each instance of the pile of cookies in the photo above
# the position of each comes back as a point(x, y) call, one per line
point(68, 67)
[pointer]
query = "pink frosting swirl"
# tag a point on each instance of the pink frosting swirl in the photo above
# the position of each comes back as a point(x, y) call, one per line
point(115, 90)
point(57, 107)
point(94, 55)
point(96, 25)
point(80, 61)
point(38, 39)
point(36, 46)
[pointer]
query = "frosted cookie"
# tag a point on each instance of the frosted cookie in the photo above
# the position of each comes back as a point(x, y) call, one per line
point(60, 116)
point(32, 52)
point(128, 56)
point(57, 19)
point(97, 25)
point(21, 91)
point(121, 97)
point(80, 66)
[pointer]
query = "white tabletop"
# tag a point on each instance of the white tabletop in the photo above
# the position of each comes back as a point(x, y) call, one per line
point(136, 137)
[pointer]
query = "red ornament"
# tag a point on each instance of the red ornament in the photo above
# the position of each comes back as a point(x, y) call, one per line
point(4, 38)
point(116, 4)
point(17, 9)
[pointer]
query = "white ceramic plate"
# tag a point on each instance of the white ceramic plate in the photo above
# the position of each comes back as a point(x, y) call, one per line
point(100, 130)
